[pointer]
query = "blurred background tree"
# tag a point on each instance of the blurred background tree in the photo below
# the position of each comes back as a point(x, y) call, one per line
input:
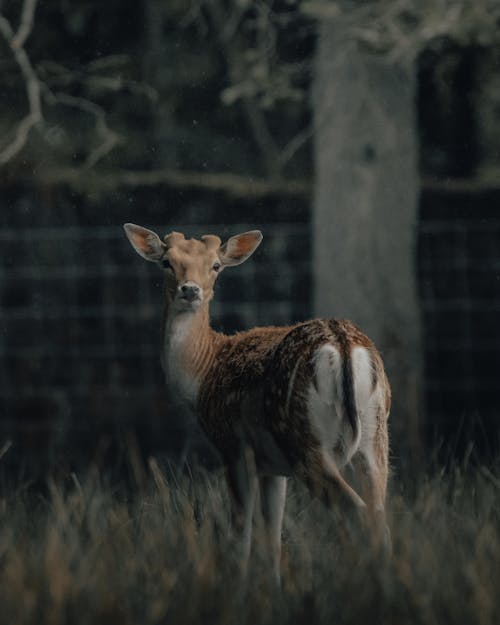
point(367, 184)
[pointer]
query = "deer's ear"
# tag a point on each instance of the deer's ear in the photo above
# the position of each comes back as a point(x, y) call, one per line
point(240, 247)
point(145, 242)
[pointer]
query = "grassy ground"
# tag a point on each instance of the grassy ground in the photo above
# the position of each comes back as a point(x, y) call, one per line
point(85, 552)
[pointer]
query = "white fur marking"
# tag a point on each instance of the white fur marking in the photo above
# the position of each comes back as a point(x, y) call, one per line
point(326, 402)
point(328, 373)
point(324, 419)
point(362, 369)
point(323, 398)
point(177, 332)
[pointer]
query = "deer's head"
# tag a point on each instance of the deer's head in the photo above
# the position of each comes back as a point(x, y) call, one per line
point(191, 266)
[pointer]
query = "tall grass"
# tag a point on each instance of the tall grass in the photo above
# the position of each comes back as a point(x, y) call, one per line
point(86, 552)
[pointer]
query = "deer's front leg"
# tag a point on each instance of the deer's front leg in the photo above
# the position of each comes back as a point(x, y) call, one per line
point(242, 481)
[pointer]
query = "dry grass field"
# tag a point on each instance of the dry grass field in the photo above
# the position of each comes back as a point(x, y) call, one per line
point(88, 551)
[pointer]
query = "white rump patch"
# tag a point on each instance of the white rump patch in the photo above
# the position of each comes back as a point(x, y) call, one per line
point(328, 372)
point(324, 401)
point(362, 370)
point(367, 399)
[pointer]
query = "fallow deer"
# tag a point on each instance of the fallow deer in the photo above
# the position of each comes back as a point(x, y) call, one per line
point(304, 400)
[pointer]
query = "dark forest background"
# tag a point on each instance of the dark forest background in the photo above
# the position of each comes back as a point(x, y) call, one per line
point(362, 138)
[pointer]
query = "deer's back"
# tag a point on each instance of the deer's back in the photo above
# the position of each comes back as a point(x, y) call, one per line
point(258, 383)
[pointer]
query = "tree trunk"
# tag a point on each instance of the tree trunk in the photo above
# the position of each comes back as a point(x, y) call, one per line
point(365, 210)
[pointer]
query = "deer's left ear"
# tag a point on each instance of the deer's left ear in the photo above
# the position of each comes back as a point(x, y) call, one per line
point(240, 247)
point(145, 242)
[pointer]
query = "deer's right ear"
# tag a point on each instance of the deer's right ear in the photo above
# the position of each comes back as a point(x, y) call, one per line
point(145, 242)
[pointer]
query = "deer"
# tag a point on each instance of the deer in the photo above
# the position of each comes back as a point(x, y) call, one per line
point(305, 400)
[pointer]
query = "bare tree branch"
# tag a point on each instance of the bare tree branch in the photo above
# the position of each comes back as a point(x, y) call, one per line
point(263, 137)
point(231, 184)
point(403, 28)
point(253, 112)
point(294, 145)
point(57, 75)
point(109, 138)
point(36, 88)
point(15, 43)
point(26, 25)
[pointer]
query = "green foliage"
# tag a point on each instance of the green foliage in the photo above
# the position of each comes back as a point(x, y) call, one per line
point(165, 554)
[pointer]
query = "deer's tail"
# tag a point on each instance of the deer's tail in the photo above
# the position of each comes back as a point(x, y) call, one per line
point(343, 379)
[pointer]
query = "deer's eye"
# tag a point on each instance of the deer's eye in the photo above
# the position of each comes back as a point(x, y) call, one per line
point(216, 266)
point(165, 264)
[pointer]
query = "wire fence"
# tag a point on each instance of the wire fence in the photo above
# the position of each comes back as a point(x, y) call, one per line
point(80, 316)
point(459, 277)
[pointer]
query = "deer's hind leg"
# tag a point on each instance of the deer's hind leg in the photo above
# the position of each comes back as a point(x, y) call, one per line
point(324, 480)
point(272, 497)
point(372, 468)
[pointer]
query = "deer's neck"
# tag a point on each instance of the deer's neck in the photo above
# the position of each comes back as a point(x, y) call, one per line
point(189, 349)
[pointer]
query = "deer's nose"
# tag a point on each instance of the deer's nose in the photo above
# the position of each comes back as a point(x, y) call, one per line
point(190, 291)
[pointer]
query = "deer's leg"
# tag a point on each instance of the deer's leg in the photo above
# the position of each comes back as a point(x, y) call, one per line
point(242, 481)
point(323, 479)
point(273, 496)
point(371, 466)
